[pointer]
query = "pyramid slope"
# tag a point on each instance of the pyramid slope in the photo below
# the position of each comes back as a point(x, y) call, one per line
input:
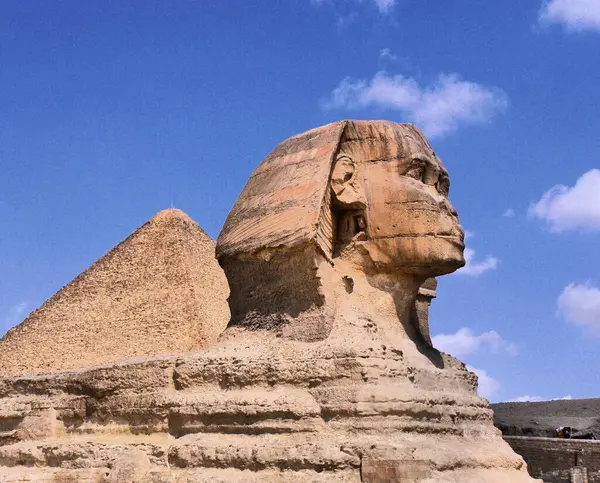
point(159, 291)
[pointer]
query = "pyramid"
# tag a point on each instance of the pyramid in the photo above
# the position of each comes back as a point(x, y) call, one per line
point(159, 291)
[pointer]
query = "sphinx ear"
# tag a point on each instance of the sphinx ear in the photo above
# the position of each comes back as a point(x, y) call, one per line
point(348, 200)
point(346, 184)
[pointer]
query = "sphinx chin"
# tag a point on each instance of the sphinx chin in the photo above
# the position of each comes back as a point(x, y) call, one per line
point(443, 261)
point(439, 255)
point(425, 256)
point(446, 266)
point(431, 268)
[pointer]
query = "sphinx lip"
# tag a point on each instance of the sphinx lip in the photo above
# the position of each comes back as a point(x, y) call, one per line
point(456, 239)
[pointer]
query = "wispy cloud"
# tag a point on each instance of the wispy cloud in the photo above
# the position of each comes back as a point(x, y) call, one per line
point(344, 21)
point(475, 266)
point(574, 15)
point(386, 53)
point(384, 7)
point(487, 386)
point(539, 399)
point(464, 343)
point(570, 208)
point(508, 213)
point(527, 399)
point(579, 304)
point(438, 108)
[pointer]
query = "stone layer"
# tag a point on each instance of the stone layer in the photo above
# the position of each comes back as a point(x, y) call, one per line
point(322, 417)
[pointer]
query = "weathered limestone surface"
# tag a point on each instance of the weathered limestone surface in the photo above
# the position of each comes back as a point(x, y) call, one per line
point(308, 416)
point(159, 291)
point(420, 315)
point(325, 372)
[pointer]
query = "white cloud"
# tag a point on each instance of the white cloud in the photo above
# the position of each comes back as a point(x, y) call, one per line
point(473, 266)
point(464, 343)
point(386, 53)
point(527, 399)
point(508, 213)
point(476, 267)
point(580, 305)
point(488, 386)
point(571, 208)
point(344, 21)
point(384, 6)
point(469, 234)
point(539, 399)
point(575, 15)
point(438, 108)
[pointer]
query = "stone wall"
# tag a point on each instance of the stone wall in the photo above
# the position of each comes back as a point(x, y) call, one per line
point(553, 459)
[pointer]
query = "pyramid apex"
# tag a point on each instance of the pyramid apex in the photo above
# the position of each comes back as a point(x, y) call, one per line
point(171, 214)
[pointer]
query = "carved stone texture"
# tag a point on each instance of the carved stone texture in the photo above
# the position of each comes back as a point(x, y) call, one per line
point(323, 374)
point(159, 291)
point(371, 193)
point(374, 471)
point(579, 475)
point(132, 466)
point(328, 184)
point(420, 314)
point(280, 206)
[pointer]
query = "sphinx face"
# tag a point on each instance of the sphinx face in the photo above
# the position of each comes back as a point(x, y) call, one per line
point(411, 225)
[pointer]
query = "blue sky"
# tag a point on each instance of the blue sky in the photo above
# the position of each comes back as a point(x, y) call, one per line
point(111, 111)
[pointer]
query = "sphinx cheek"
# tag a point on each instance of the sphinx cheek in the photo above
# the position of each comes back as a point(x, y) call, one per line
point(394, 252)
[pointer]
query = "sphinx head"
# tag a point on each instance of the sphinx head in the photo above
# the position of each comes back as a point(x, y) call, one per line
point(371, 194)
point(390, 201)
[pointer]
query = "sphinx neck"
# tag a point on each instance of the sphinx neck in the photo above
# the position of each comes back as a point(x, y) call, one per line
point(299, 294)
point(388, 298)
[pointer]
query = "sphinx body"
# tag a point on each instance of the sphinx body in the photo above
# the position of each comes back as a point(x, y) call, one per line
point(325, 372)
point(329, 252)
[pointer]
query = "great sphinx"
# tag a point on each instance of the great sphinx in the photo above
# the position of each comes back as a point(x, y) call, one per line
point(325, 372)
point(351, 200)
point(330, 253)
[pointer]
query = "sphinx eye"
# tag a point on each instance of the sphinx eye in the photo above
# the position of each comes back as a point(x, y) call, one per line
point(443, 185)
point(417, 170)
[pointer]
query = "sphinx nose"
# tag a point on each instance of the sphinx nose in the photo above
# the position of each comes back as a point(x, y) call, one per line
point(452, 209)
point(448, 207)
